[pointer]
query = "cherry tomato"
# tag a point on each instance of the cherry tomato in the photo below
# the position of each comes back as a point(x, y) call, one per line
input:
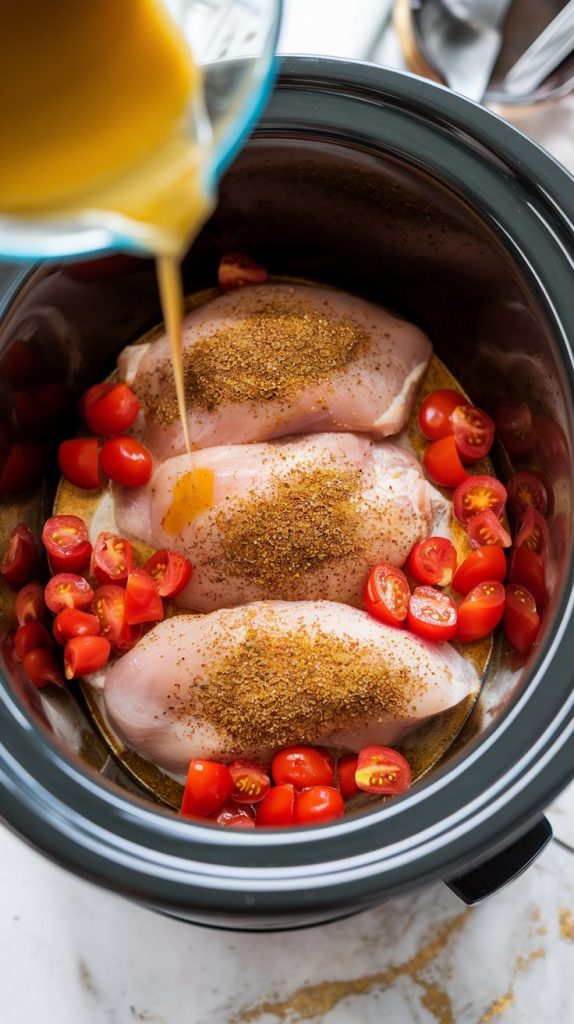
point(66, 590)
point(387, 593)
point(126, 461)
point(236, 270)
point(109, 408)
point(109, 604)
point(85, 654)
point(41, 667)
point(436, 410)
point(234, 817)
point(23, 467)
point(32, 634)
point(433, 561)
point(170, 571)
point(473, 432)
point(526, 490)
point(480, 612)
point(533, 534)
point(30, 604)
point(513, 420)
point(276, 808)
point(303, 766)
point(487, 563)
point(72, 622)
point(79, 462)
point(112, 558)
point(442, 463)
point(250, 782)
point(477, 494)
point(66, 541)
point(432, 614)
point(551, 447)
point(382, 770)
point(20, 562)
point(317, 804)
point(143, 603)
point(527, 568)
point(484, 530)
point(346, 775)
point(521, 621)
point(207, 788)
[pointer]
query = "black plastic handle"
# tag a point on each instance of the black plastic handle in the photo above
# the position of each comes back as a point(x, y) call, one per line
point(491, 875)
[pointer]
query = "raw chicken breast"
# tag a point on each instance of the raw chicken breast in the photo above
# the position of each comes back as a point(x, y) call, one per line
point(277, 359)
point(297, 519)
point(245, 681)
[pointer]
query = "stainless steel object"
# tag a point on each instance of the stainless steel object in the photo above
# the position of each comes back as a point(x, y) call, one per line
point(544, 56)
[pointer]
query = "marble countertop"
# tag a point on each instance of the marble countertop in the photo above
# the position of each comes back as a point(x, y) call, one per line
point(73, 954)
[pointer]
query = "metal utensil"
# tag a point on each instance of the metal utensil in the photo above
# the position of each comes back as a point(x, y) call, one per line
point(546, 53)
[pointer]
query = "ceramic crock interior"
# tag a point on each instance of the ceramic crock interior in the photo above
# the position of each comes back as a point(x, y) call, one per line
point(335, 213)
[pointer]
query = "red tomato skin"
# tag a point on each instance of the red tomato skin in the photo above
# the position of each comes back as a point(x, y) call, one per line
point(486, 563)
point(66, 541)
point(276, 808)
point(420, 617)
point(473, 432)
point(41, 667)
point(32, 634)
point(533, 534)
point(233, 817)
point(513, 420)
point(20, 562)
point(74, 561)
point(480, 612)
point(112, 559)
point(527, 490)
point(108, 603)
point(485, 530)
point(382, 770)
point(109, 408)
point(143, 603)
point(442, 463)
point(250, 782)
point(477, 494)
point(170, 571)
point(386, 594)
point(303, 766)
point(527, 568)
point(30, 604)
point(207, 788)
point(237, 269)
point(432, 561)
point(521, 622)
point(79, 462)
point(346, 776)
point(436, 410)
point(85, 654)
point(72, 622)
point(317, 804)
point(67, 590)
point(126, 461)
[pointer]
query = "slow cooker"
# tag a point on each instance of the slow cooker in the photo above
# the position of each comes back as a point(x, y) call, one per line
point(400, 191)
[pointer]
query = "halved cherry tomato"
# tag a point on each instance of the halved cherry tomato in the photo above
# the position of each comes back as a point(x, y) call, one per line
point(513, 420)
point(480, 612)
point(41, 667)
point(72, 622)
point(109, 408)
point(346, 775)
point(85, 654)
point(67, 590)
point(382, 770)
point(477, 494)
point(112, 558)
point(23, 466)
point(79, 462)
point(250, 782)
point(109, 604)
point(533, 534)
point(170, 571)
point(30, 604)
point(473, 432)
point(485, 529)
point(527, 568)
point(387, 593)
point(66, 541)
point(32, 634)
point(236, 270)
point(207, 788)
point(436, 410)
point(234, 817)
point(432, 614)
point(143, 603)
point(487, 563)
point(521, 621)
point(526, 490)
point(276, 809)
point(442, 462)
point(433, 561)
point(20, 562)
point(317, 804)
point(126, 461)
point(303, 766)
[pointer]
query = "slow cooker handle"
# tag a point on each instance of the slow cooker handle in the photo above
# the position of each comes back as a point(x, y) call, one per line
point(488, 876)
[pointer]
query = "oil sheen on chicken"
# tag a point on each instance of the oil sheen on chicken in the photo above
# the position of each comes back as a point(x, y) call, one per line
point(277, 359)
point(245, 681)
point(303, 518)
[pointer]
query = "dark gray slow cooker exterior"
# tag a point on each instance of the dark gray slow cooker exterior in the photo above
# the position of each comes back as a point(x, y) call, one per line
point(479, 803)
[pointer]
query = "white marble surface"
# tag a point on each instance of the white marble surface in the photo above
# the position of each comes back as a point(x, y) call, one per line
point(71, 954)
